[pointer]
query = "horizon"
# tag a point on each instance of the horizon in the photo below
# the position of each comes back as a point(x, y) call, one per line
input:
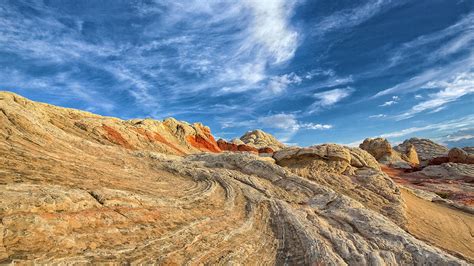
point(306, 72)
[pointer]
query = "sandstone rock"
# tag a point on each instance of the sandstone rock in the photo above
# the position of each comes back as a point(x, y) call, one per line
point(237, 141)
point(425, 148)
point(469, 150)
point(69, 194)
point(410, 155)
point(260, 139)
point(350, 171)
point(46, 124)
point(381, 149)
point(226, 146)
point(457, 155)
point(449, 171)
point(266, 150)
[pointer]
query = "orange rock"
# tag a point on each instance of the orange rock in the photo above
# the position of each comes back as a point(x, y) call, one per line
point(201, 143)
point(265, 150)
point(115, 137)
point(227, 146)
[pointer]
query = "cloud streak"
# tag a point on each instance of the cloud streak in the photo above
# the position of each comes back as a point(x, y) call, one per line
point(329, 98)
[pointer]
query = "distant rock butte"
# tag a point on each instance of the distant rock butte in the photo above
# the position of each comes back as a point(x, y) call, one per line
point(78, 188)
point(425, 148)
point(260, 139)
point(406, 157)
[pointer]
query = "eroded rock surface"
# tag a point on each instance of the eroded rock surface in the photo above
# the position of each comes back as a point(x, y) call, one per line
point(449, 171)
point(383, 152)
point(457, 155)
point(229, 146)
point(350, 171)
point(46, 124)
point(425, 148)
point(69, 197)
point(260, 139)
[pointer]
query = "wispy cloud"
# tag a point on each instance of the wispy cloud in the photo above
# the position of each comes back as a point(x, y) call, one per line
point(222, 47)
point(279, 84)
point(285, 126)
point(450, 90)
point(440, 128)
point(391, 102)
point(378, 116)
point(329, 98)
point(453, 39)
point(355, 16)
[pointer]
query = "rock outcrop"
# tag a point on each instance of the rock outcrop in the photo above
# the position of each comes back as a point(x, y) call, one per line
point(349, 171)
point(469, 150)
point(260, 139)
point(425, 148)
point(229, 146)
point(74, 192)
point(450, 171)
point(457, 155)
point(381, 149)
point(45, 124)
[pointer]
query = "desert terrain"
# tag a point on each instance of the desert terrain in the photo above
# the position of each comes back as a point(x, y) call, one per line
point(79, 188)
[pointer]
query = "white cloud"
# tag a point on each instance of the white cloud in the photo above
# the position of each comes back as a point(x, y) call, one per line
point(226, 44)
point(288, 121)
point(378, 116)
point(388, 103)
point(270, 28)
point(329, 98)
point(418, 96)
point(455, 38)
point(453, 89)
point(439, 128)
point(279, 84)
point(355, 16)
point(285, 126)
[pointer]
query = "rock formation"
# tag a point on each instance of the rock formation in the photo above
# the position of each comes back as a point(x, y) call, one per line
point(425, 148)
point(350, 171)
point(381, 149)
point(48, 124)
point(77, 188)
point(450, 171)
point(469, 150)
point(457, 155)
point(229, 146)
point(260, 139)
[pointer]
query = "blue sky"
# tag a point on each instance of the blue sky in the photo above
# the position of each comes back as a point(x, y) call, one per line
point(307, 71)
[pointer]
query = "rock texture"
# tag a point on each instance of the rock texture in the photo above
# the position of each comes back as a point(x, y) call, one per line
point(381, 149)
point(449, 171)
point(469, 150)
point(457, 155)
point(451, 182)
point(45, 124)
point(229, 146)
point(260, 139)
point(349, 171)
point(74, 192)
point(425, 148)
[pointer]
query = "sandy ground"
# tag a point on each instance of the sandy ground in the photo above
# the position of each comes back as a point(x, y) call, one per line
point(447, 228)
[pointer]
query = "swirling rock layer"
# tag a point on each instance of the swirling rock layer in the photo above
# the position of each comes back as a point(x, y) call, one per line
point(69, 196)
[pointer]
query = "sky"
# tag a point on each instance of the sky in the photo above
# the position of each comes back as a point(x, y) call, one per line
point(309, 72)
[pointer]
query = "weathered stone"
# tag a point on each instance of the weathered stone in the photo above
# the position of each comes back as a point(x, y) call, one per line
point(381, 149)
point(260, 139)
point(71, 195)
point(425, 148)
